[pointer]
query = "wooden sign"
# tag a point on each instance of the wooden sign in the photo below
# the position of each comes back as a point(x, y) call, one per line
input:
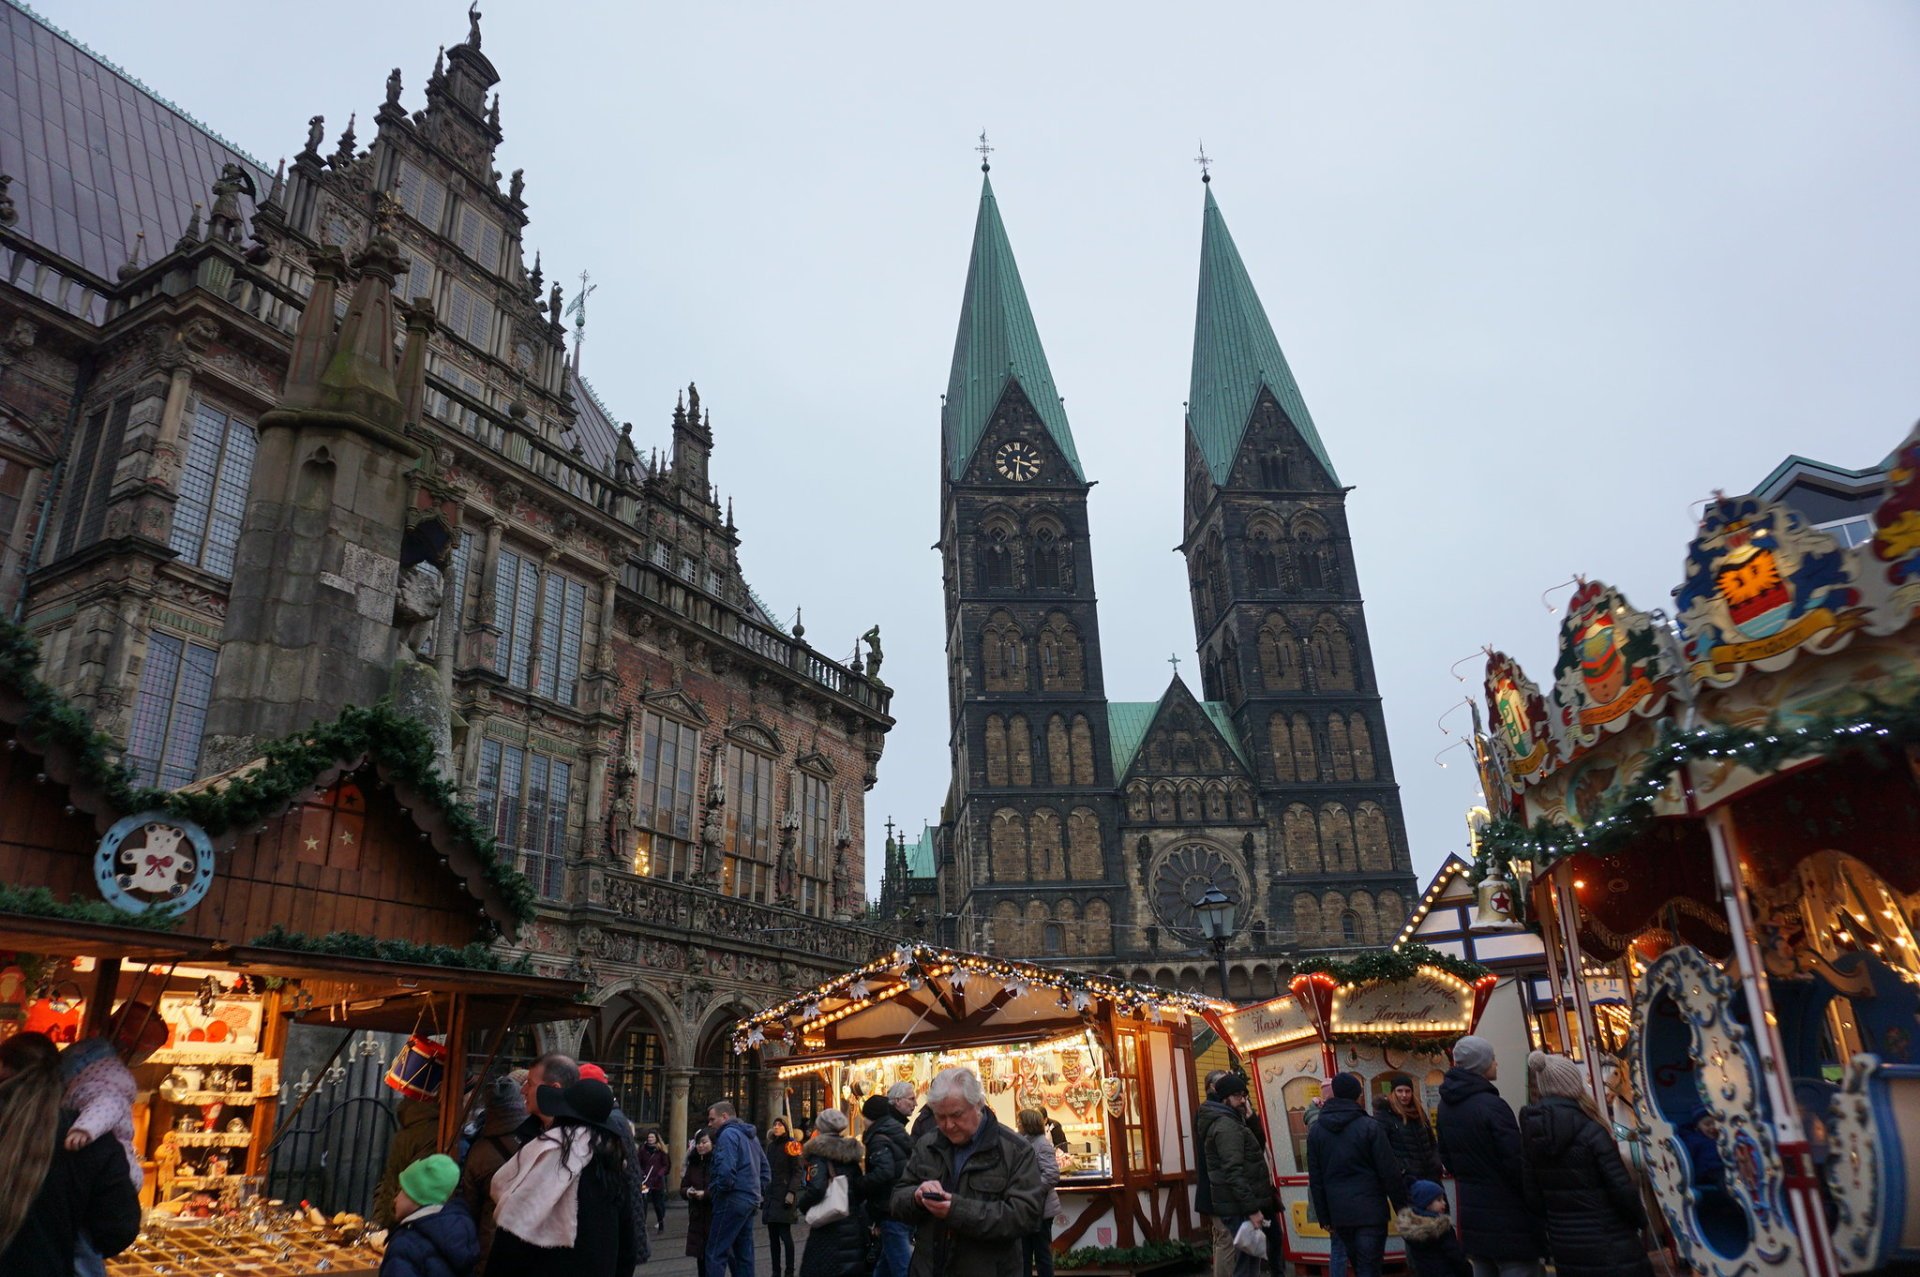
point(1279, 1022)
point(1431, 1002)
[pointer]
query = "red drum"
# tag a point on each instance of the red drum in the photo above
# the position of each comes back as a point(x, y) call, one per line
point(418, 1069)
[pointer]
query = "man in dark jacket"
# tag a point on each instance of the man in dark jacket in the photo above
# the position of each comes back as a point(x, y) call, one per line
point(1239, 1185)
point(972, 1189)
point(1480, 1144)
point(737, 1180)
point(1352, 1176)
point(888, 1152)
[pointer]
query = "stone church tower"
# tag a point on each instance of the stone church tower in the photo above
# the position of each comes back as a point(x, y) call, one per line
point(1083, 828)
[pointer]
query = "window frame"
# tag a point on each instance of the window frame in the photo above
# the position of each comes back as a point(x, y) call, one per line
point(167, 767)
point(201, 540)
point(667, 845)
point(530, 831)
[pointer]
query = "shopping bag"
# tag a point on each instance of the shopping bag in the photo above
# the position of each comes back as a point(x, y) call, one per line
point(833, 1207)
point(1249, 1240)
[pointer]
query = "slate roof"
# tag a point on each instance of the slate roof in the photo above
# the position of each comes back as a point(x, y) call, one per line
point(599, 434)
point(997, 343)
point(96, 156)
point(1234, 354)
point(1128, 723)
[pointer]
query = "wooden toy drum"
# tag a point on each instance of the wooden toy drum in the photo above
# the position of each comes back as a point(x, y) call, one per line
point(417, 1070)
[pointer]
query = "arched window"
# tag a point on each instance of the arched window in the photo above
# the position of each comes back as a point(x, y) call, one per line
point(1304, 765)
point(1190, 802)
point(996, 559)
point(1019, 751)
point(1336, 838)
point(1230, 669)
point(1362, 746)
point(640, 1060)
point(1059, 755)
point(1263, 561)
point(1216, 797)
point(1370, 835)
point(1163, 801)
point(1007, 846)
point(1137, 801)
point(1349, 928)
point(1005, 935)
point(1067, 915)
point(1084, 862)
point(1280, 742)
point(1302, 838)
point(1052, 939)
point(1004, 648)
point(1049, 567)
point(1099, 927)
point(1049, 860)
point(1082, 751)
point(1242, 801)
point(1306, 920)
point(1279, 656)
point(996, 750)
point(1062, 668)
point(1276, 468)
point(1339, 749)
point(1331, 652)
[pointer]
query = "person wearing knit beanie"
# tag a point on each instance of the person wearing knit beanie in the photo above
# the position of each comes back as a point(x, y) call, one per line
point(1353, 1179)
point(1475, 1055)
point(1347, 1086)
point(433, 1231)
point(1576, 1184)
point(1557, 1075)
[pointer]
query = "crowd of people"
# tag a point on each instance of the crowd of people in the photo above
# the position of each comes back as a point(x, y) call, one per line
point(1547, 1182)
point(549, 1179)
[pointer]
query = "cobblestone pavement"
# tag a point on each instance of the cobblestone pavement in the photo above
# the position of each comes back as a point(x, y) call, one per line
point(668, 1247)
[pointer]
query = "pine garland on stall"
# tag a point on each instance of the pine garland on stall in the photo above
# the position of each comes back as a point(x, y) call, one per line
point(351, 944)
point(397, 743)
point(1399, 963)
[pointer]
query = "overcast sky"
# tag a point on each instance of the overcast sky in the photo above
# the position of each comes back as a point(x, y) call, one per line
point(1547, 274)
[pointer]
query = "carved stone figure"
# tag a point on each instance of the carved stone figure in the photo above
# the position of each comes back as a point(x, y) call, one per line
point(553, 306)
point(473, 26)
point(422, 590)
point(393, 87)
point(224, 222)
point(517, 186)
point(316, 133)
point(872, 640)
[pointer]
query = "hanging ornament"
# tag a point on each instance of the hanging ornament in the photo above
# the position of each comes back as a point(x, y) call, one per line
point(755, 1038)
point(859, 989)
point(960, 977)
point(1081, 999)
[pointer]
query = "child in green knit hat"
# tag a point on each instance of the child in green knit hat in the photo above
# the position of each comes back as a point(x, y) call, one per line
point(433, 1233)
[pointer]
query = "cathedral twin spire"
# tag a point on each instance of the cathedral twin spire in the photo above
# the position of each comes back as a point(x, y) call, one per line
point(1235, 353)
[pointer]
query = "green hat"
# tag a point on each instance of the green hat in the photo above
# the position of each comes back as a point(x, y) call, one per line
point(431, 1180)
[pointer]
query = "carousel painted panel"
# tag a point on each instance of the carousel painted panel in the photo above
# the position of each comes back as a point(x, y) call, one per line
point(1526, 745)
point(1603, 777)
point(1762, 588)
point(1890, 562)
point(1616, 665)
point(1873, 1175)
point(1691, 1061)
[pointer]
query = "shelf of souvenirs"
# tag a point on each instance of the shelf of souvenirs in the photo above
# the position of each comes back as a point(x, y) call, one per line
point(213, 1139)
point(234, 1099)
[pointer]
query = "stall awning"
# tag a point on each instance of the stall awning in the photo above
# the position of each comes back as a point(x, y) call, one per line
point(66, 938)
point(369, 993)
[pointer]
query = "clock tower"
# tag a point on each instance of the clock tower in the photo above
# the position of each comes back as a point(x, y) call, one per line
point(1033, 814)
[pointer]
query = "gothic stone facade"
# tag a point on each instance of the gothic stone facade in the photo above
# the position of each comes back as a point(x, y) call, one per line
point(1082, 828)
point(681, 777)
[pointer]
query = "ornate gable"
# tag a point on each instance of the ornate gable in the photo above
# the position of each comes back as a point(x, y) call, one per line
point(676, 704)
point(1185, 740)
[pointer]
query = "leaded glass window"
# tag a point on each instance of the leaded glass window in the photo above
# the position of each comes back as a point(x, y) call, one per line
point(170, 711)
point(749, 823)
point(663, 808)
point(422, 195)
point(213, 491)
point(523, 797)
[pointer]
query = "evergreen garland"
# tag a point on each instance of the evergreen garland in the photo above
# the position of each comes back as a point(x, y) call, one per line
point(38, 902)
point(1402, 962)
point(352, 944)
point(1762, 750)
point(397, 743)
point(1154, 1256)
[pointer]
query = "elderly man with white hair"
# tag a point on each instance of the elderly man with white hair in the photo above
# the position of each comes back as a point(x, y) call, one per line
point(972, 1189)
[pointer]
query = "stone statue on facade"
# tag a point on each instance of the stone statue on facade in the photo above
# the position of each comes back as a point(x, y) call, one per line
point(316, 134)
point(626, 458)
point(224, 222)
point(872, 639)
point(473, 26)
point(517, 186)
point(393, 87)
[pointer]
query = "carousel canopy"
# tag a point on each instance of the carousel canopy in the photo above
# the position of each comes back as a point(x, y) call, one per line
point(918, 990)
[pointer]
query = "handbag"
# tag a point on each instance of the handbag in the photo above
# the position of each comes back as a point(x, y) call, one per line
point(1249, 1240)
point(832, 1208)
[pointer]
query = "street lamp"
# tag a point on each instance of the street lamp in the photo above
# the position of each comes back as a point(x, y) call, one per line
point(1215, 913)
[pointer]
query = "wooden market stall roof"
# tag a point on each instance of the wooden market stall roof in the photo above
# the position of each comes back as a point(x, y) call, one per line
point(922, 990)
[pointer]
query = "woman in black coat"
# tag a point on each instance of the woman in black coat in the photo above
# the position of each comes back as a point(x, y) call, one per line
point(1480, 1143)
point(1408, 1130)
point(776, 1209)
point(1575, 1179)
point(837, 1249)
point(693, 1187)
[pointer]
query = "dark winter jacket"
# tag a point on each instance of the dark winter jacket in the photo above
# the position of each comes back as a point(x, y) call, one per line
point(1575, 1180)
point(434, 1241)
point(608, 1239)
point(888, 1151)
point(89, 1190)
point(739, 1163)
point(417, 1135)
point(493, 1143)
point(693, 1187)
point(1703, 1152)
point(1412, 1141)
point(1351, 1171)
point(1238, 1183)
point(1433, 1248)
point(838, 1249)
point(1480, 1144)
point(997, 1199)
point(789, 1174)
point(654, 1168)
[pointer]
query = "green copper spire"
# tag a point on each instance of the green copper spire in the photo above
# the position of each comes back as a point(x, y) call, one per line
point(997, 344)
point(1234, 354)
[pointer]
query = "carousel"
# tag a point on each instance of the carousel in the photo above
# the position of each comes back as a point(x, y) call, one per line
point(1720, 810)
point(1110, 1061)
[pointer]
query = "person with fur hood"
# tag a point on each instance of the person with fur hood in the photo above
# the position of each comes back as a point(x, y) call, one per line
point(838, 1248)
point(1575, 1179)
point(1426, 1226)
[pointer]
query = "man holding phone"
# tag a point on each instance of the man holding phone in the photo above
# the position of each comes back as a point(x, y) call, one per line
point(972, 1188)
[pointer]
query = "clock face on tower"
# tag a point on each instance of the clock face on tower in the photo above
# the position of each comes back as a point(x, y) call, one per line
point(1017, 461)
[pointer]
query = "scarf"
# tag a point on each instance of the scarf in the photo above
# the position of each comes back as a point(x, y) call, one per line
point(536, 1198)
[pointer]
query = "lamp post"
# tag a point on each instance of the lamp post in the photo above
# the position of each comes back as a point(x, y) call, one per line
point(1215, 913)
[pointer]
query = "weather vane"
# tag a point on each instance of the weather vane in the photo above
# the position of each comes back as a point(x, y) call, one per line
point(984, 151)
point(1205, 162)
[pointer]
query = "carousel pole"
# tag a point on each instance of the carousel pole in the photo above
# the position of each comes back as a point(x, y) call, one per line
point(1802, 1188)
point(1567, 906)
point(1543, 896)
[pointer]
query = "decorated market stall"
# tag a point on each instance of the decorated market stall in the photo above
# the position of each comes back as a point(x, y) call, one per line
point(333, 881)
point(1385, 1012)
point(1723, 808)
point(1111, 1061)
